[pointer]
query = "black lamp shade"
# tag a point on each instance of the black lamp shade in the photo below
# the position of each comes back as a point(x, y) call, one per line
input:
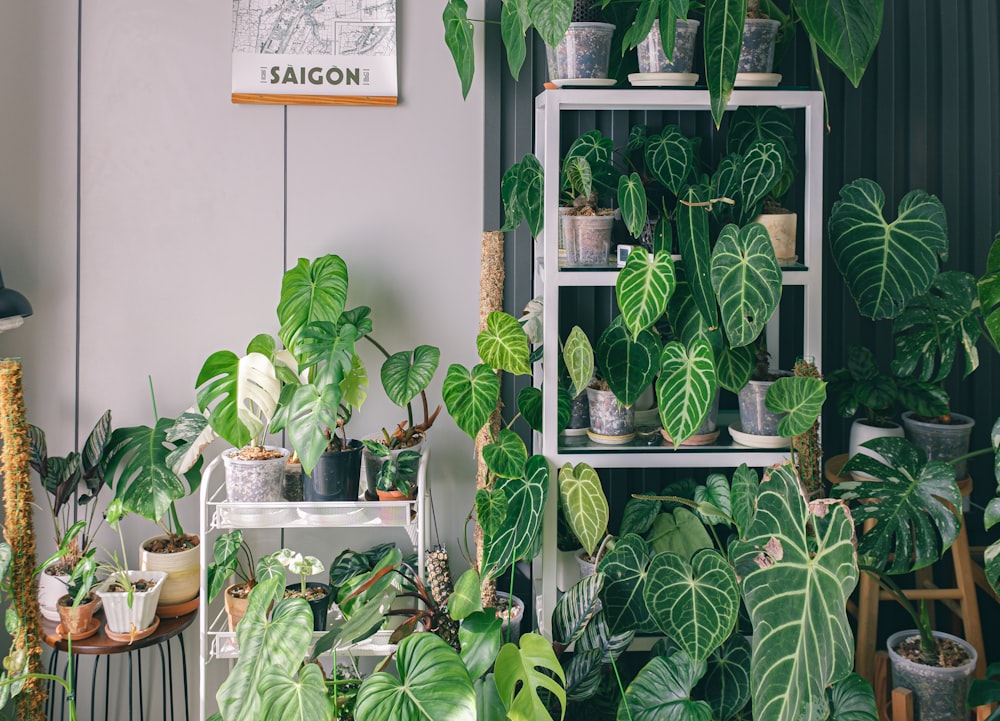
point(12, 303)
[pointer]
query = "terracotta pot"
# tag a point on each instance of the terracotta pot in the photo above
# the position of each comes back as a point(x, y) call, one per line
point(236, 608)
point(183, 571)
point(396, 495)
point(78, 620)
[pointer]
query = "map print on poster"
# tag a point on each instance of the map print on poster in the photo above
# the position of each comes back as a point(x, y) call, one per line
point(314, 52)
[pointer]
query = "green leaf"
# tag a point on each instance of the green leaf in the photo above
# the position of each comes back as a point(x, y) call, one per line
point(491, 510)
point(723, 36)
point(669, 158)
point(432, 684)
point(638, 516)
point(662, 692)
point(575, 609)
point(583, 674)
point(504, 344)
point(225, 551)
point(406, 373)
point(715, 493)
point(632, 201)
point(480, 638)
point(470, 396)
point(989, 293)
point(933, 326)
point(624, 569)
point(551, 19)
point(886, 264)
point(579, 175)
point(852, 699)
point(597, 636)
point(680, 532)
point(578, 355)
point(628, 365)
point(846, 31)
point(584, 504)
point(747, 281)
point(458, 37)
point(506, 456)
point(685, 387)
point(311, 412)
point(241, 394)
point(726, 683)
point(310, 292)
point(696, 252)
point(801, 398)
point(644, 17)
point(530, 178)
point(807, 551)
point(466, 599)
point(694, 603)
point(284, 698)
point(512, 33)
point(643, 289)
point(913, 506)
point(529, 403)
point(518, 536)
point(522, 673)
point(763, 165)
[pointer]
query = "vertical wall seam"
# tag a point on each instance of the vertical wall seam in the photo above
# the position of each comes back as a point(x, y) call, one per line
point(79, 204)
point(284, 191)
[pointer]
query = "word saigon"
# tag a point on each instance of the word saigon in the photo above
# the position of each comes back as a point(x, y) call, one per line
point(316, 76)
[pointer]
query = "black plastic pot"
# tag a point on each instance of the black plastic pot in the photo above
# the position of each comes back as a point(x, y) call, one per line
point(320, 606)
point(336, 476)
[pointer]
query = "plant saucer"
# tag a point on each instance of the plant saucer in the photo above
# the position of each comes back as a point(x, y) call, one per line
point(699, 439)
point(583, 82)
point(757, 80)
point(128, 637)
point(575, 432)
point(752, 440)
point(663, 80)
point(95, 623)
point(785, 262)
point(610, 440)
point(176, 610)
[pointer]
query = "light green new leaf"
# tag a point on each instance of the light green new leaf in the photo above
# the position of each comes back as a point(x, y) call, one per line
point(311, 292)
point(506, 456)
point(623, 594)
point(575, 608)
point(504, 344)
point(747, 281)
point(284, 698)
point(726, 683)
point(470, 396)
point(551, 19)
point(517, 538)
point(522, 673)
point(685, 387)
point(806, 551)
point(801, 398)
point(406, 373)
point(578, 355)
point(432, 684)
point(584, 504)
point(512, 33)
point(466, 598)
point(628, 366)
point(989, 293)
point(632, 201)
point(680, 532)
point(847, 31)
point(885, 264)
point(696, 252)
point(458, 37)
point(913, 506)
point(662, 692)
point(643, 289)
point(723, 34)
point(694, 603)
point(669, 157)
point(715, 494)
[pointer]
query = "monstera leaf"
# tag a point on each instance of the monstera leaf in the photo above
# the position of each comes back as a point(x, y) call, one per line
point(694, 603)
point(521, 673)
point(406, 373)
point(623, 595)
point(801, 398)
point(470, 396)
point(685, 387)
point(643, 289)
point(578, 355)
point(934, 325)
point(432, 684)
point(629, 366)
point(807, 551)
point(669, 157)
point(310, 292)
point(517, 536)
point(575, 609)
point(886, 264)
point(989, 293)
point(662, 692)
point(747, 281)
point(726, 683)
point(696, 252)
point(912, 501)
point(847, 31)
point(584, 504)
point(504, 344)
point(723, 33)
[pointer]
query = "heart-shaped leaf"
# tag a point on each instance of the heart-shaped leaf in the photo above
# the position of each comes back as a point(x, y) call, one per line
point(628, 365)
point(723, 34)
point(529, 403)
point(578, 355)
point(685, 387)
point(680, 532)
point(662, 692)
point(295, 699)
point(734, 366)
point(643, 289)
point(669, 158)
point(480, 640)
point(801, 398)
point(458, 37)
point(913, 505)
point(551, 19)
point(506, 456)
point(715, 494)
point(743, 495)
point(311, 292)
point(575, 608)
point(747, 281)
point(989, 293)
point(584, 504)
point(518, 536)
point(504, 344)
point(694, 603)
point(846, 31)
point(886, 264)
point(466, 599)
point(726, 683)
point(406, 373)
point(696, 252)
point(491, 510)
point(522, 673)
point(638, 516)
point(624, 569)
point(632, 201)
point(763, 165)
point(808, 552)
point(470, 396)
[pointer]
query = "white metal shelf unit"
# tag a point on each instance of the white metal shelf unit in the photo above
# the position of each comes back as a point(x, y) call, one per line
point(549, 106)
point(218, 514)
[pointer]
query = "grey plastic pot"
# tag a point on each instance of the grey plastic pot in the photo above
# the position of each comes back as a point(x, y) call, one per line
point(652, 59)
point(757, 53)
point(939, 693)
point(254, 481)
point(583, 52)
point(755, 418)
point(941, 441)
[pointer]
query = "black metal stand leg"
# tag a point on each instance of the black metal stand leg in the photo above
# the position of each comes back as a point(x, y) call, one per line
point(93, 686)
point(170, 665)
point(130, 686)
point(50, 702)
point(107, 686)
point(184, 676)
point(163, 679)
point(138, 657)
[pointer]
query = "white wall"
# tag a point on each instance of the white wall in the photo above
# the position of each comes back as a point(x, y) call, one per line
point(183, 215)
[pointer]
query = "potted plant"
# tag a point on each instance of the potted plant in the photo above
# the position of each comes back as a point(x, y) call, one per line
point(232, 556)
point(581, 56)
point(317, 594)
point(61, 477)
point(396, 479)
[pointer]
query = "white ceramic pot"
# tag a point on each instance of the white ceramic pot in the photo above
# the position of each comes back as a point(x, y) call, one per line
point(567, 569)
point(120, 616)
point(862, 431)
point(50, 589)
point(183, 571)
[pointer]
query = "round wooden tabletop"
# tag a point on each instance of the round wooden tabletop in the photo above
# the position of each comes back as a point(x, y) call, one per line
point(100, 644)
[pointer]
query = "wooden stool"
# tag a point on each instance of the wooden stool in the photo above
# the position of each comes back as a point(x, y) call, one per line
point(960, 599)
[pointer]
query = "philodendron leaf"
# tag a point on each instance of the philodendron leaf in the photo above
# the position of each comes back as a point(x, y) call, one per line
point(530, 181)
point(852, 699)
point(801, 398)
point(624, 569)
point(723, 33)
point(678, 531)
point(529, 403)
point(669, 157)
point(578, 355)
point(685, 387)
point(696, 252)
point(989, 293)
point(517, 537)
point(506, 456)
point(458, 38)
point(584, 504)
point(470, 396)
point(913, 506)
point(662, 692)
point(551, 19)
point(632, 201)
point(734, 366)
point(521, 673)
point(643, 289)
point(629, 366)
point(694, 603)
point(504, 344)
point(716, 495)
point(638, 516)
point(808, 552)
point(310, 292)
point(846, 31)
point(933, 326)
point(512, 33)
point(575, 608)
point(480, 640)
point(747, 281)
point(762, 168)
point(579, 175)
point(726, 683)
point(466, 599)
point(406, 373)
point(432, 684)
point(886, 264)
point(491, 509)
point(284, 698)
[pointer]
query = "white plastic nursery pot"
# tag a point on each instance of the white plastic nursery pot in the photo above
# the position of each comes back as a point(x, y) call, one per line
point(941, 441)
point(567, 569)
point(183, 571)
point(254, 481)
point(755, 418)
point(938, 693)
point(514, 618)
point(587, 565)
point(121, 618)
point(588, 239)
point(652, 59)
point(862, 431)
point(583, 52)
point(782, 229)
point(757, 53)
